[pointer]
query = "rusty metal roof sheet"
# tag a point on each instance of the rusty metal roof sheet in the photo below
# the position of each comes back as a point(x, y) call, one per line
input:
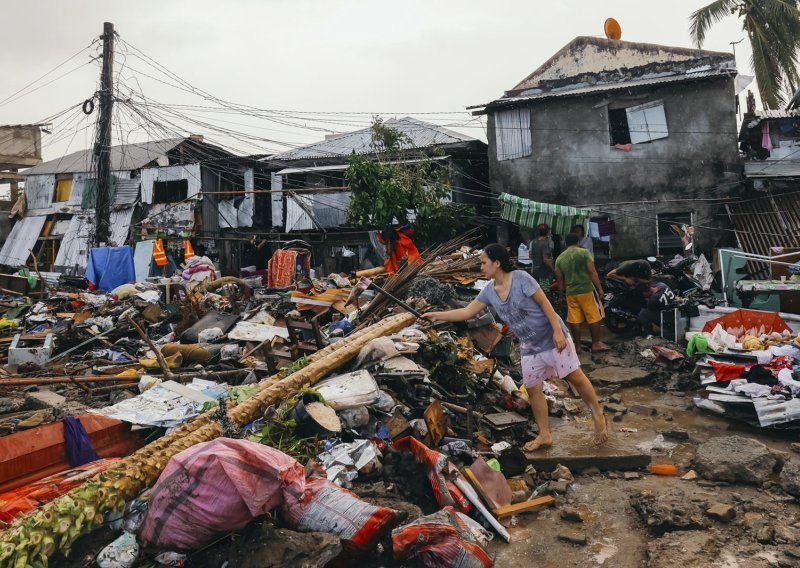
point(765, 222)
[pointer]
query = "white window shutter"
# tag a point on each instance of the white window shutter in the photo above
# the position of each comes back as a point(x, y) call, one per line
point(512, 133)
point(647, 122)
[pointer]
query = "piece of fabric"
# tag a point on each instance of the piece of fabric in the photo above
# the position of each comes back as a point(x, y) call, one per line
point(78, 445)
point(586, 307)
point(538, 249)
point(766, 143)
point(110, 267)
point(159, 254)
point(573, 264)
point(523, 258)
point(607, 228)
point(188, 251)
point(403, 248)
point(528, 213)
point(519, 312)
point(698, 344)
point(724, 372)
point(539, 366)
point(280, 269)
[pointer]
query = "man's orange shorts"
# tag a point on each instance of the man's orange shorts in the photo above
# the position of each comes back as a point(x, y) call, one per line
point(586, 307)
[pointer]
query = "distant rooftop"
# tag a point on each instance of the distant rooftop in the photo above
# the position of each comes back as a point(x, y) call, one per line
point(125, 156)
point(422, 135)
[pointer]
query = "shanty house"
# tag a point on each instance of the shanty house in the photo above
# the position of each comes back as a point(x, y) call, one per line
point(640, 134)
point(159, 190)
point(309, 193)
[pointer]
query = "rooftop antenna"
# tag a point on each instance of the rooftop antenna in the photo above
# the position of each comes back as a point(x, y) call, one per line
point(612, 29)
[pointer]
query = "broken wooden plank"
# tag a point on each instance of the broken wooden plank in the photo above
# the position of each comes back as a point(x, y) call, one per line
point(467, 472)
point(625, 462)
point(524, 507)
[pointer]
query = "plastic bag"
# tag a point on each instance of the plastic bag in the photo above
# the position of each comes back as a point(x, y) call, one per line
point(442, 540)
point(326, 507)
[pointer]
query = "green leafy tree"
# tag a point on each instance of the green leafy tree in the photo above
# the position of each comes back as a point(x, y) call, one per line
point(773, 29)
point(394, 182)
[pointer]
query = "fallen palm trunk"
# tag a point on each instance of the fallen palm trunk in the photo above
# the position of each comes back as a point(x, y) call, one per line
point(32, 539)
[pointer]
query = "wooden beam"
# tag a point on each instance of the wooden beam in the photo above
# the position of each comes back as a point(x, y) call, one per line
point(626, 462)
point(524, 507)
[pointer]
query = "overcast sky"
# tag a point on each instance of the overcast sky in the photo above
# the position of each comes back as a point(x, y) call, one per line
point(327, 56)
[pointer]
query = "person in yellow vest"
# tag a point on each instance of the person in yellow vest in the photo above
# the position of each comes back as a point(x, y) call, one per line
point(159, 254)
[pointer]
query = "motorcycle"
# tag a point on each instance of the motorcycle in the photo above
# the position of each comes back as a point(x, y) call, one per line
point(674, 274)
point(622, 305)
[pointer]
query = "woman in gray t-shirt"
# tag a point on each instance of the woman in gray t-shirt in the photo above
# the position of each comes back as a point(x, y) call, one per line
point(545, 344)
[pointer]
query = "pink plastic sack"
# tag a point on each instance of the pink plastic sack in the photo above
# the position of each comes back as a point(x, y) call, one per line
point(217, 487)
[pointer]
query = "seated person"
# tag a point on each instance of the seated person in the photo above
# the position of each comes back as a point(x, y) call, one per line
point(658, 298)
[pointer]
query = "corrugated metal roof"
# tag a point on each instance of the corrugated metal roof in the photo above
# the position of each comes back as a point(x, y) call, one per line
point(780, 168)
point(422, 135)
point(23, 237)
point(762, 114)
point(771, 220)
point(123, 157)
point(127, 192)
point(309, 213)
point(73, 254)
point(578, 90)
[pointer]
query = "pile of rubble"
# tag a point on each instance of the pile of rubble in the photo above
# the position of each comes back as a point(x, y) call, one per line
point(218, 372)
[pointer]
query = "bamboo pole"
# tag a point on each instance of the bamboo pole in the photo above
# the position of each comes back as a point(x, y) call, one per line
point(109, 491)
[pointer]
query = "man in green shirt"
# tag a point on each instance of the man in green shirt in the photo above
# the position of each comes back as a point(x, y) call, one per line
point(578, 279)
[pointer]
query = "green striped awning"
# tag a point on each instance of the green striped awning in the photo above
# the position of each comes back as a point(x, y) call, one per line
point(527, 213)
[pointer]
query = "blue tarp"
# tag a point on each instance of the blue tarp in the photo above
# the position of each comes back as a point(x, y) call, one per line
point(110, 267)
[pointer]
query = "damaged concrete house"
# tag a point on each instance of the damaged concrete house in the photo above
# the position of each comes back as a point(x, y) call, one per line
point(20, 148)
point(604, 123)
point(164, 189)
point(310, 195)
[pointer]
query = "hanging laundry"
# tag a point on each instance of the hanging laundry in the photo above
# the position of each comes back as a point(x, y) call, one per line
point(159, 255)
point(188, 251)
point(766, 143)
point(607, 228)
point(280, 269)
point(398, 246)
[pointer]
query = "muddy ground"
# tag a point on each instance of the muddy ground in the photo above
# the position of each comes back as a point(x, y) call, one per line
point(765, 529)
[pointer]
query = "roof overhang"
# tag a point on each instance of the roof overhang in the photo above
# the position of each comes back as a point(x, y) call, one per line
point(579, 90)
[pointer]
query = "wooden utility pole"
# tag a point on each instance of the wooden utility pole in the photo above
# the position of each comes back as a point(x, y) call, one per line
point(102, 149)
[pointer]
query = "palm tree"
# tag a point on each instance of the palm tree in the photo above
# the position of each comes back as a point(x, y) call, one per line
point(773, 28)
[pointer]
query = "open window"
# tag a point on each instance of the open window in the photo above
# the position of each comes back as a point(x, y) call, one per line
point(669, 242)
point(637, 124)
point(512, 133)
point(170, 191)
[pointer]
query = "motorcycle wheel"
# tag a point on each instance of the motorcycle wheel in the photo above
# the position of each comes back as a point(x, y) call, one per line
point(617, 324)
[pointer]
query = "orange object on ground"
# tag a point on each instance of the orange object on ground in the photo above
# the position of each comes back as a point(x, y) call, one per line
point(29, 497)
point(159, 255)
point(188, 251)
point(402, 247)
point(28, 456)
point(749, 319)
point(663, 469)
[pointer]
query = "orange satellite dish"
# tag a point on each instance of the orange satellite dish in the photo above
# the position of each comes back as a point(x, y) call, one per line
point(612, 29)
